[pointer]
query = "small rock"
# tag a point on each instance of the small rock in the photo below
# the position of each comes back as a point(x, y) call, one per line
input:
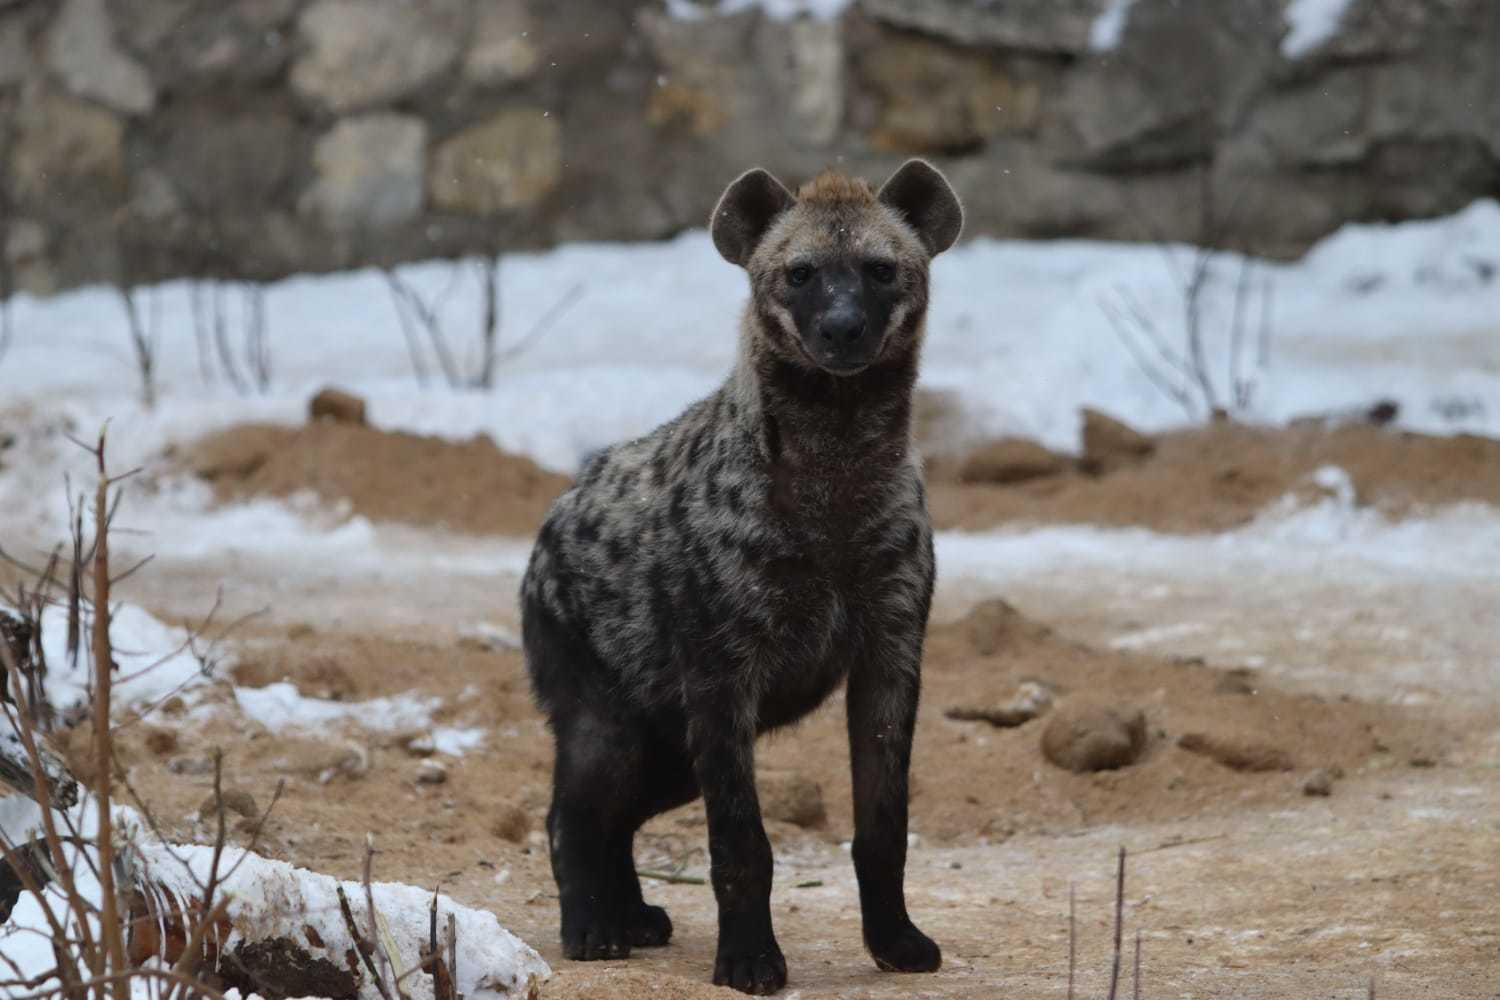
point(1319, 783)
point(1240, 680)
point(1238, 753)
point(1422, 760)
point(1091, 737)
point(512, 824)
point(1108, 443)
point(1010, 460)
point(419, 745)
point(1030, 700)
point(430, 772)
point(994, 625)
point(488, 636)
point(338, 406)
point(236, 801)
point(190, 764)
point(791, 798)
point(322, 761)
point(160, 741)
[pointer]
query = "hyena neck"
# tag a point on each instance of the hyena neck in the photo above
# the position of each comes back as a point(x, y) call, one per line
point(856, 425)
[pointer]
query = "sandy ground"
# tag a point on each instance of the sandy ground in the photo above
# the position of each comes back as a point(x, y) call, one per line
point(1239, 885)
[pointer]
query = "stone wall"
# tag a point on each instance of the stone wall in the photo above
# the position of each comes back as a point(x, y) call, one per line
point(252, 138)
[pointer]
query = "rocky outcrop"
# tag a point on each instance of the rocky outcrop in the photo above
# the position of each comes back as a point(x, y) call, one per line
point(253, 138)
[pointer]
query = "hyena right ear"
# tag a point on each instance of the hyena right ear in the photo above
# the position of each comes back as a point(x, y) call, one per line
point(744, 213)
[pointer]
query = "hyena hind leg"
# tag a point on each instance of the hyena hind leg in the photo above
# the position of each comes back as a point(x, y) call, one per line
point(606, 783)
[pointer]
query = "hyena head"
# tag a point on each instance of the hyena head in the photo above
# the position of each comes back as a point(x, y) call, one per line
point(838, 272)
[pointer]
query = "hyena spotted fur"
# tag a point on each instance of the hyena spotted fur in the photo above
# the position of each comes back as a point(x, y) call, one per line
point(721, 576)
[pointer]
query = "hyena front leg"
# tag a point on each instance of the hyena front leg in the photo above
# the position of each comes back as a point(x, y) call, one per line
point(722, 740)
point(882, 712)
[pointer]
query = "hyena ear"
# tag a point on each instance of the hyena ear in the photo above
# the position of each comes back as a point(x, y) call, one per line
point(928, 204)
point(744, 213)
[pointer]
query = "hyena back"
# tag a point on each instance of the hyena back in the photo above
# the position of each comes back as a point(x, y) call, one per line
point(720, 576)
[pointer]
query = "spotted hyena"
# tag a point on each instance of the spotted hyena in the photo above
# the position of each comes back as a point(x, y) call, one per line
point(720, 576)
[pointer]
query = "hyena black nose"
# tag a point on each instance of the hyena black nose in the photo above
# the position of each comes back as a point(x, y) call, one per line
point(842, 327)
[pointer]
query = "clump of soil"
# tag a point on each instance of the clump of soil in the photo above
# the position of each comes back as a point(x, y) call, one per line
point(465, 486)
point(1094, 737)
point(1212, 478)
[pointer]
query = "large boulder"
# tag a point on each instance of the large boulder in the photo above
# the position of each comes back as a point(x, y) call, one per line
point(370, 172)
point(363, 53)
point(83, 53)
point(506, 162)
point(66, 147)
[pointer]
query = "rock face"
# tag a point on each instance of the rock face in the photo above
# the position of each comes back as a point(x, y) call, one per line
point(253, 138)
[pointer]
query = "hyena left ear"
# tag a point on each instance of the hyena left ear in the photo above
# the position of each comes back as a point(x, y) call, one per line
point(744, 213)
point(923, 197)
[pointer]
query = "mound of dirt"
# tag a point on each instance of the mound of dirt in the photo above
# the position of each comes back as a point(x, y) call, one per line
point(465, 486)
point(1219, 476)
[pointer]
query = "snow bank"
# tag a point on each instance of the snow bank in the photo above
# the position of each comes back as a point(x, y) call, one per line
point(1109, 27)
point(779, 10)
point(281, 708)
point(1311, 24)
point(155, 661)
point(271, 899)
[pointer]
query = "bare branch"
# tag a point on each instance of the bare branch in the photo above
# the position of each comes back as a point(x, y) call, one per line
point(1114, 975)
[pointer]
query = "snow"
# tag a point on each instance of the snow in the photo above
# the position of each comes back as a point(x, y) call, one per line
point(777, 10)
point(270, 899)
point(155, 660)
point(281, 708)
point(1311, 24)
point(1109, 27)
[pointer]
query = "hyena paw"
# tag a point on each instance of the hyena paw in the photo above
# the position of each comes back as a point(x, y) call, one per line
point(650, 927)
point(905, 949)
point(759, 971)
point(593, 937)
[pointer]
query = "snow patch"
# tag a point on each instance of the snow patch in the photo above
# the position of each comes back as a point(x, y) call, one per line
point(280, 707)
point(270, 899)
point(1109, 27)
point(155, 661)
point(1312, 23)
point(776, 10)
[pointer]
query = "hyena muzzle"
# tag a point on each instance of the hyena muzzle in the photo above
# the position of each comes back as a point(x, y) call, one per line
point(720, 576)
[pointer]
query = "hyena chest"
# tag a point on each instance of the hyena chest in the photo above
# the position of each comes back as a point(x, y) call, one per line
point(814, 610)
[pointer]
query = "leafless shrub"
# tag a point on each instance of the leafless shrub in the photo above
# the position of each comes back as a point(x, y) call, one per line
point(1180, 362)
point(244, 362)
point(88, 939)
point(143, 338)
point(1119, 929)
point(421, 323)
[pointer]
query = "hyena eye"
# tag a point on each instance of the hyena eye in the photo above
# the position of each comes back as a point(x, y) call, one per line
point(883, 272)
point(799, 275)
